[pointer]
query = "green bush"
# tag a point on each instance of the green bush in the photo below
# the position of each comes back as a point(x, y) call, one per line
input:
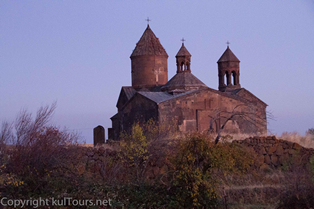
point(198, 166)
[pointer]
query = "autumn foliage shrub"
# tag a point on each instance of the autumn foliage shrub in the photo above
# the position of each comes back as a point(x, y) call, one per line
point(149, 167)
point(134, 152)
point(199, 165)
point(44, 161)
point(195, 165)
point(37, 157)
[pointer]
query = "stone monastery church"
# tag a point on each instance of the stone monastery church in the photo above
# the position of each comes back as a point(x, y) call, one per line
point(184, 98)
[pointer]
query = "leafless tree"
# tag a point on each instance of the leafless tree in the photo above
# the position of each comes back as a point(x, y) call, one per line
point(26, 127)
point(37, 149)
point(225, 116)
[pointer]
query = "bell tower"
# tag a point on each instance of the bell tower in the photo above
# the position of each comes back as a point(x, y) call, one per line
point(228, 71)
point(149, 62)
point(183, 59)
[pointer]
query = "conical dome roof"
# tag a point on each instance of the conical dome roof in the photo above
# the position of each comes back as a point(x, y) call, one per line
point(183, 52)
point(183, 81)
point(149, 45)
point(228, 56)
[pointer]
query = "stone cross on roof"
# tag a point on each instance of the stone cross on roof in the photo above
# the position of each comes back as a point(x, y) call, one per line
point(228, 43)
point(148, 20)
point(183, 40)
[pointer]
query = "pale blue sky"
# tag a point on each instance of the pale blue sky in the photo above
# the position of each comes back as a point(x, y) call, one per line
point(77, 53)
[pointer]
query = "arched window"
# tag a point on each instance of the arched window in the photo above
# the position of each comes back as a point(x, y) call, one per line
point(226, 80)
point(234, 74)
point(182, 66)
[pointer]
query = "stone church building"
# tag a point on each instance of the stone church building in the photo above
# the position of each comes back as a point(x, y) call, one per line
point(184, 98)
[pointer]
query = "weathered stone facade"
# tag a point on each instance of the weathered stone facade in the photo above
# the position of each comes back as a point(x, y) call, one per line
point(193, 112)
point(184, 98)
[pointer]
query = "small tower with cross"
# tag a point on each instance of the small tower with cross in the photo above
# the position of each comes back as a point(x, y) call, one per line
point(228, 71)
point(183, 59)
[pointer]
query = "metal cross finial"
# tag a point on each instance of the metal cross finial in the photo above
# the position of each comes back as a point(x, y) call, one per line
point(228, 43)
point(183, 40)
point(148, 20)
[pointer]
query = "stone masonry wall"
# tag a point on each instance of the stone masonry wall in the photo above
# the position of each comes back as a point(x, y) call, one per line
point(193, 112)
point(272, 153)
point(275, 153)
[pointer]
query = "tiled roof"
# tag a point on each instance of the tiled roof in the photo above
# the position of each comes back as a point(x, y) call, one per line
point(149, 45)
point(183, 80)
point(159, 97)
point(156, 96)
point(228, 56)
point(183, 52)
point(236, 91)
point(129, 91)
